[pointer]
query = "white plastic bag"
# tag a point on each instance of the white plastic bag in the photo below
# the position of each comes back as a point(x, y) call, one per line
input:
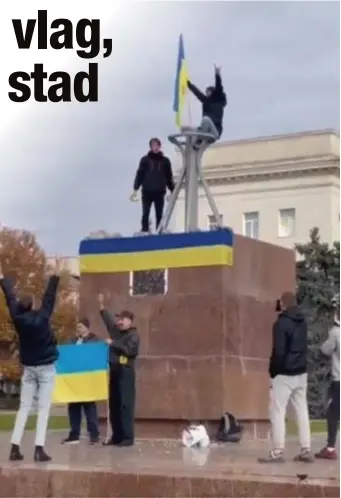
point(195, 437)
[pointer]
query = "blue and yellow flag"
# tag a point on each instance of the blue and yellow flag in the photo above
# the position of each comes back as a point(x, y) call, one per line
point(175, 250)
point(180, 83)
point(82, 373)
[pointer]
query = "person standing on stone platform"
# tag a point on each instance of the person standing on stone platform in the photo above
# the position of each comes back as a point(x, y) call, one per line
point(124, 344)
point(213, 104)
point(38, 354)
point(289, 379)
point(331, 348)
point(83, 336)
point(154, 176)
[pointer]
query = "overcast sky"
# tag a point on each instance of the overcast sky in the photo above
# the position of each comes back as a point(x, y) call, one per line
point(67, 169)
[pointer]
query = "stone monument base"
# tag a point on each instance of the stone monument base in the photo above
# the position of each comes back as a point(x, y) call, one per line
point(206, 331)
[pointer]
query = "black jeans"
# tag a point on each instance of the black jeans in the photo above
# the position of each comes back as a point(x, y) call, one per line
point(122, 402)
point(149, 198)
point(75, 418)
point(333, 413)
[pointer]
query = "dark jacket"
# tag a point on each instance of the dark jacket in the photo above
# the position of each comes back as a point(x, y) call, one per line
point(289, 344)
point(37, 344)
point(154, 173)
point(212, 106)
point(125, 342)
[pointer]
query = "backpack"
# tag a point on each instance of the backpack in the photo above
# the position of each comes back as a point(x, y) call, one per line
point(229, 430)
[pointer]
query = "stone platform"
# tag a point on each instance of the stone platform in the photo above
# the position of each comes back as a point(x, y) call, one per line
point(205, 339)
point(162, 469)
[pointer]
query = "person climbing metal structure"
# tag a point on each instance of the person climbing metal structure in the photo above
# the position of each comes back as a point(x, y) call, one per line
point(213, 104)
point(192, 143)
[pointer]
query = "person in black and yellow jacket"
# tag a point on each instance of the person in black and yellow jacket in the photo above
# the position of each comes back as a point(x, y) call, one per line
point(124, 348)
point(83, 335)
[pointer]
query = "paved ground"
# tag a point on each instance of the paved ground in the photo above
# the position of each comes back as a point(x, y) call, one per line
point(170, 458)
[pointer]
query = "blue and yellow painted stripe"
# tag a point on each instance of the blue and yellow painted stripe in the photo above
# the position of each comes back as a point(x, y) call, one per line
point(82, 373)
point(180, 250)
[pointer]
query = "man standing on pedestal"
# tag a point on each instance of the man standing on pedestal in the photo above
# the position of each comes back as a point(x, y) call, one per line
point(154, 176)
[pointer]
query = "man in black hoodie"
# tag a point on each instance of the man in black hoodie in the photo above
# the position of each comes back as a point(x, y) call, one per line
point(38, 355)
point(124, 348)
point(288, 373)
point(213, 104)
point(154, 175)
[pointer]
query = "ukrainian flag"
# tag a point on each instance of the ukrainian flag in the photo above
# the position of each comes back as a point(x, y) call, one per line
point(180, 83)
point(82, 373)
point(175, 250)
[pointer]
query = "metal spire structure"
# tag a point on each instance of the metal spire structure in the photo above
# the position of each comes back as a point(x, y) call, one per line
point(192, 143)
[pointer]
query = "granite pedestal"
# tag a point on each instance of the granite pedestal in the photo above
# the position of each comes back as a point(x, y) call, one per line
point(205, 344)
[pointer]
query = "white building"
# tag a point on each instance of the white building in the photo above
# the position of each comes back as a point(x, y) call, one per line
point(274, 188)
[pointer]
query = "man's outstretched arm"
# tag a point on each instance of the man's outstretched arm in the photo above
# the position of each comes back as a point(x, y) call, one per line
point(7, 289)
point(107, 317)
point(199, 95)
point(219, 89)
point(49, 298)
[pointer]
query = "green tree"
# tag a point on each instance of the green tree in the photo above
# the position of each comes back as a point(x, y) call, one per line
point(318, 284)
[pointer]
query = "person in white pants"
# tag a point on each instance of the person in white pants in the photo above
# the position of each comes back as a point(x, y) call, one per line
point(38, 354)
point(289, 380)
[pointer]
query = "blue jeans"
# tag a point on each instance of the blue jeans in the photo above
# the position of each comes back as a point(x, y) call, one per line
point(207, 126)
point(36, 382)
point(75, 418)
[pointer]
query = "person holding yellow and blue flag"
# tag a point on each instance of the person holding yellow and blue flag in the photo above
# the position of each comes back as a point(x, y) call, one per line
point(83, 336)
point(213, 100)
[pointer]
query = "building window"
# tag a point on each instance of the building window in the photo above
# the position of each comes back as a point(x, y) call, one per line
point(286, 222)
point(212, 224)
point(251, 225)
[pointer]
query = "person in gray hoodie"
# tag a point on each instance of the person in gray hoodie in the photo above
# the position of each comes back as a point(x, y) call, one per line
point(331, 348)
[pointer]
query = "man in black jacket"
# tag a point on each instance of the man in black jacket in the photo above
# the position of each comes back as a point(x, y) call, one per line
point(124, 348)
point(83, 336)
point(154, 175)
point(213, 104)
point(38, 355)
point(288, 373)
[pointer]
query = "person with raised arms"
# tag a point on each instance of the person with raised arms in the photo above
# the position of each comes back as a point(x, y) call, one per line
point(213, 102)
point(124, 345)
point(38, 355)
